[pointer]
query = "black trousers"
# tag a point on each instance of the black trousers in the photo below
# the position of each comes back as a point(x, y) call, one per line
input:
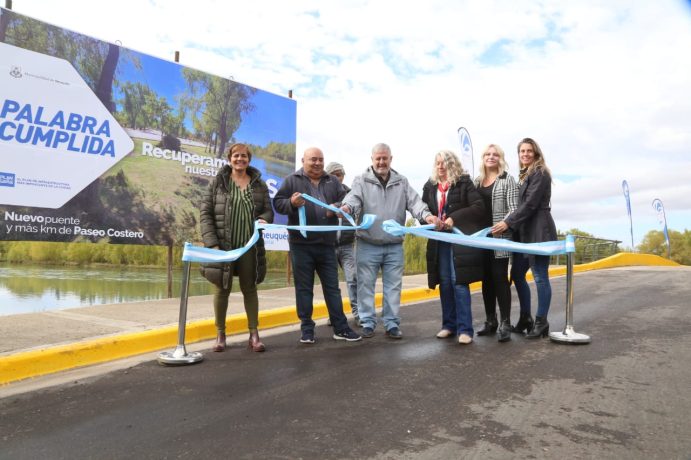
point(496, 287)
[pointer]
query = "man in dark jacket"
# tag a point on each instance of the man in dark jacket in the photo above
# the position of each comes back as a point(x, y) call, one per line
point(345, 251)
point(314, 252)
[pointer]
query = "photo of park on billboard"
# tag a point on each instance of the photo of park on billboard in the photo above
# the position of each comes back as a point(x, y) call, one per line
point(102, 143)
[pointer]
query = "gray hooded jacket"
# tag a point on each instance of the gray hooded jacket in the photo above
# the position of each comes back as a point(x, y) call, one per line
point(368, 196)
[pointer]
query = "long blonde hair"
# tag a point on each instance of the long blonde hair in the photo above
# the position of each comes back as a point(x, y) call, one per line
point(454, 168)
point(503, 166)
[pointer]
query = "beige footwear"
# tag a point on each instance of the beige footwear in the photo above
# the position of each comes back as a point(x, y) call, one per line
point(444, 334)
point(465, 339)
point(220, 345)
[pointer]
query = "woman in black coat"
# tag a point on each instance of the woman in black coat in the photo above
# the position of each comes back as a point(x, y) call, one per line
point(533, 223)
point(451, 195)
point(236, 197)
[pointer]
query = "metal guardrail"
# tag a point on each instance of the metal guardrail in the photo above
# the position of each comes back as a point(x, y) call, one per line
point(593, 249)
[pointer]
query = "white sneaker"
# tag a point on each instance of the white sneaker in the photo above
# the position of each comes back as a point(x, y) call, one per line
point(444, 334)
point(465, 339)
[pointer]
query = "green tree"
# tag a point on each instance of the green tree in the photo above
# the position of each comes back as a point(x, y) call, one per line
point(79, 253)
point(588, 246)
point(104, 86)
point(4, 23)
point(414, 252)
point(222, 103)
point(18, 252)
point(134, 99)
point(176, 125)
point(157, 112)
point(46, 252)
point(96, 61)
point(680, 243)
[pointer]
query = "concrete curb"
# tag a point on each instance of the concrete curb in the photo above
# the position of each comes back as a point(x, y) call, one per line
point(49, 360)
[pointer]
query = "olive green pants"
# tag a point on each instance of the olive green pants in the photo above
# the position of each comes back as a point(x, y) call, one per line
point(246, 269)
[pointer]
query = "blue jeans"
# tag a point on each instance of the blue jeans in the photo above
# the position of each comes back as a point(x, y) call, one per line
point(346, 259)
point(456, 313)
point(320, 258)
point(540, 269)
point(370, 259)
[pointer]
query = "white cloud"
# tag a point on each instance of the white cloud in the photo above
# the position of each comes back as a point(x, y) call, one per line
point(604, 87)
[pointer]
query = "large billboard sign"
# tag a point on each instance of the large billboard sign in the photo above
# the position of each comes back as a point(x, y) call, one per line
point(53, 117)
point(102, 143)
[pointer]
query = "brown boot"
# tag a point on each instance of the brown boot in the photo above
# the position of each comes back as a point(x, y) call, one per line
point(254, 343)
point(220, 344)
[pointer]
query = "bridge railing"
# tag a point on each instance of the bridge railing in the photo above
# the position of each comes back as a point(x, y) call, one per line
point(589, 249)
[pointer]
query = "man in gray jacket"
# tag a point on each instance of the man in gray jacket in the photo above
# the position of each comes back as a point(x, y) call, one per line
point(382, 191)
point(345, 247)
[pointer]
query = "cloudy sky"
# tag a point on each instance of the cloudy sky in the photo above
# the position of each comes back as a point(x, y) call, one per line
point(605, 90)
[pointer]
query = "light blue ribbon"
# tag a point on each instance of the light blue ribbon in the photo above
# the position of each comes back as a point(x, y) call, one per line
point(302, 214)
point(193, 253)
point(479, 240)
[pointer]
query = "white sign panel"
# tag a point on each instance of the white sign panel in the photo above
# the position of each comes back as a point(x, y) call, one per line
point(56, 137)
point(276, 240)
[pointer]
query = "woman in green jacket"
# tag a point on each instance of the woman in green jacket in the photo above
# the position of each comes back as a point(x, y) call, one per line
point(236, 197)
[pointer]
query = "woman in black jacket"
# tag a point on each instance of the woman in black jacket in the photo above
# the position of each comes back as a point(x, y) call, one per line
point(533, 222)
point(451, 195)
point(236, 197)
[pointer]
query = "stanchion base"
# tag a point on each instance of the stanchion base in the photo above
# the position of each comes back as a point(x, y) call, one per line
point(569, 336)
point(179, 357)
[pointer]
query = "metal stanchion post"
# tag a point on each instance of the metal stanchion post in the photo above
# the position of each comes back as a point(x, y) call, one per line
point(569, 335)
point(179, 356)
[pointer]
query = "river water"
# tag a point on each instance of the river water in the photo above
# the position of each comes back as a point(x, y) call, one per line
point(36, 288)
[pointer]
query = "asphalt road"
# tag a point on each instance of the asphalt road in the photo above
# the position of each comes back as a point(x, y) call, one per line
point(625, 395)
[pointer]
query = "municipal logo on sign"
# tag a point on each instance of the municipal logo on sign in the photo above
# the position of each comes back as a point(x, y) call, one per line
point(466, 145)
point(55, 134)
point(6, 179)
point(466, 150)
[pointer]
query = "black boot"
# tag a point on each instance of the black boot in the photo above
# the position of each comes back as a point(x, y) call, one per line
point(504, 332)
point(524, 324)
point(490, 326)
point(541, 328)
